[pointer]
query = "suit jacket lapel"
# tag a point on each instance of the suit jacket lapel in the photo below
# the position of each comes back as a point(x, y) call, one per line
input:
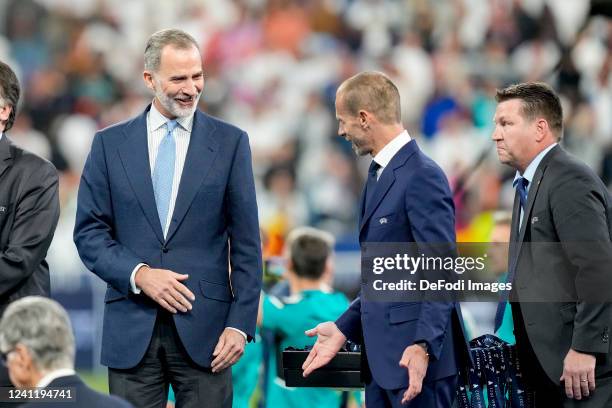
point(516, 214)
point(362, 204)
point(514, 230)
point(533, 192)
point(134, 154)
point(386, 180)
point(6, 156)
point(200, 158)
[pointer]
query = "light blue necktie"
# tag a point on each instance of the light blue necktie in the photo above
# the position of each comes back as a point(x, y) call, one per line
point(163, 173)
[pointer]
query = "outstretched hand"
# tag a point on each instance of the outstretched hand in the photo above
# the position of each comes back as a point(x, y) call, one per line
point(329, 341)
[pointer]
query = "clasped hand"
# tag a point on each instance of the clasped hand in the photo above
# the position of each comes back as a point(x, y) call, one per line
point(165, 288)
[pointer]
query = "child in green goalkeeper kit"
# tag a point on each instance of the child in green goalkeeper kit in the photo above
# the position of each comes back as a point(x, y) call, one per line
point(312, 301)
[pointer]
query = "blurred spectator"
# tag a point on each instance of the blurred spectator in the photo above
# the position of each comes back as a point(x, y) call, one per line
point(312, 301)
point(37, 346)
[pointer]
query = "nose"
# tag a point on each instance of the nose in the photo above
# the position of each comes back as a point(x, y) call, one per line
point(496, 135)
point(191, 88)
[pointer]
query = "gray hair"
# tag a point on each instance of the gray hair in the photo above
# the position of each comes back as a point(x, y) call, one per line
point(157, 42)
point(43, 327)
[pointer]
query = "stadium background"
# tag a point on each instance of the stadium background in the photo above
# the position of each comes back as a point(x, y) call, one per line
point(272, 68)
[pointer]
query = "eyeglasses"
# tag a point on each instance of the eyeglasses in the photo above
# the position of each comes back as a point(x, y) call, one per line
point(4, 356)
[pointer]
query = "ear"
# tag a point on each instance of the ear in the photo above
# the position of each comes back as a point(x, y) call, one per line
point(288, 264)
point(22, 356)
point(5, 113)
point(328, 272)
point(542, 129)
point(364, 118)
point(149, 81)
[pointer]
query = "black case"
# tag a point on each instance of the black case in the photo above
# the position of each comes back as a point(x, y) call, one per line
point(343, 371)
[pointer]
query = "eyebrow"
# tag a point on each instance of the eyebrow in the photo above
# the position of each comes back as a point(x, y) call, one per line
point(178, 77)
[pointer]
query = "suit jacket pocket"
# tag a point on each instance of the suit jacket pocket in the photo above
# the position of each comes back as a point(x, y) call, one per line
point(113, 295)
point(404, 313)
point(216, 291)
point(568, 312)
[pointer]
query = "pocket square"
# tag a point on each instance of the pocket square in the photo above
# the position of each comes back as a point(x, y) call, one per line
point(383, 220)
point(534, 220)
point(2, 209)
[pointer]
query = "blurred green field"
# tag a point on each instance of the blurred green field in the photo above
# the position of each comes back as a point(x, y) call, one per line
point(97, 381)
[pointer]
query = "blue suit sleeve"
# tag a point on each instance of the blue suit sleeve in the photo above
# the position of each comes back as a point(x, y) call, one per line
point(93, 230)
point(431, 211)
point(245, 246)
point(349, 323)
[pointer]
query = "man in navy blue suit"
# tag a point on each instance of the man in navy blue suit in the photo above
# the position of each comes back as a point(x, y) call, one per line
point(412, 348)
point(166, 200)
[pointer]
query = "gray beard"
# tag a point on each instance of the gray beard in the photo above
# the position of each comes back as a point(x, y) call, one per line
point(173, 107)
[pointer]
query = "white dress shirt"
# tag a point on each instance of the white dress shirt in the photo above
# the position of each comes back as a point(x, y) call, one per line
point(156, 131)
point(53, 375)
point(529, 174)
point(390, 150)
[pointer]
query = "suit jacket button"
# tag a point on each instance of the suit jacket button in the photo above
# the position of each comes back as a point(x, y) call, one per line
point(165, 250)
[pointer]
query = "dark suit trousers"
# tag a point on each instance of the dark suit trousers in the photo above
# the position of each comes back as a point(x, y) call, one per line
point(434, 394)
point(166, 362)
point(548, 394)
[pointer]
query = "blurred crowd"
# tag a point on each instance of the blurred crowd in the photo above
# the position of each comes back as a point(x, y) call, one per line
point(272, 68)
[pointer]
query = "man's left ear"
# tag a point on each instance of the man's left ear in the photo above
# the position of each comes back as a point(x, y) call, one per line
point(542, 129)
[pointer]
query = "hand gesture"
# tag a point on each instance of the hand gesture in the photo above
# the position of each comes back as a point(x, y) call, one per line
point(416, 360)
point(329, 341)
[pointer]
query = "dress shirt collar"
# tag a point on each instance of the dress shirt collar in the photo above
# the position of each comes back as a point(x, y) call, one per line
point(53, 375)
point(386, 153)
point(157, 120)
point(533, 166)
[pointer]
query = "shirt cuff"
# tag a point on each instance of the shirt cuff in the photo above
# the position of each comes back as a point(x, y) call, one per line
point(239, 331)
point(133, 278)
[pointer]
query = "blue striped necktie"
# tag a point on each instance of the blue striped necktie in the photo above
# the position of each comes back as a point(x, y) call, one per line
point(521, 184)
point(163, 173)
point(521, 189)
